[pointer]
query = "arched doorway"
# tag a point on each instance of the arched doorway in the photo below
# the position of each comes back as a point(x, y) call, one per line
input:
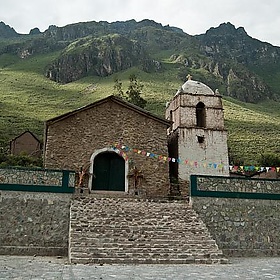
point(108, 172)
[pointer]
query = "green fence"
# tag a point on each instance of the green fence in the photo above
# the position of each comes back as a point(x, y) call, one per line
point(37, 180)
point(233, 187)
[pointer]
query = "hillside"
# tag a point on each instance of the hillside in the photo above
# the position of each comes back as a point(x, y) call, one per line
point(46, 74)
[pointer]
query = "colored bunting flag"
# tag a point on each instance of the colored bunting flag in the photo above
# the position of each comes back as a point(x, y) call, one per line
point(121, 149)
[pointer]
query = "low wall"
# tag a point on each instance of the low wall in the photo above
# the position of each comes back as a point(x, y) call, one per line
point(242, 215)
point(33, 223)
point(35, 211)
point(37, 180)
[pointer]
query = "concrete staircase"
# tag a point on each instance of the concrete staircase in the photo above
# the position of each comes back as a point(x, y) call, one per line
point(127, 230)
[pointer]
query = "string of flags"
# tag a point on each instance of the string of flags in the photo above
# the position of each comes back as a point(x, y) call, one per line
point(122, 150)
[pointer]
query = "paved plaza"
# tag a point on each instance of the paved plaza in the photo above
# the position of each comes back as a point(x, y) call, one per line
point(50, 268)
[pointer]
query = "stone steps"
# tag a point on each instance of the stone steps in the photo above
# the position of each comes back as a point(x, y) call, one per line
point(127, 230)
point(190, 260)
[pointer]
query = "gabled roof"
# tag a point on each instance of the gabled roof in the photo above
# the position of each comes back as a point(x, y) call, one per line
point(113, 99)
point(27, 131)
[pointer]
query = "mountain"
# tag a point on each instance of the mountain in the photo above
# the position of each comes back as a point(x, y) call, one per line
point(239, 59)
point(46, 73)
point(6, 31)
point(238, 65)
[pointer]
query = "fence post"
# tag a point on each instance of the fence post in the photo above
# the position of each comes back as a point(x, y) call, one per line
point(193, 188)
point(65, 179)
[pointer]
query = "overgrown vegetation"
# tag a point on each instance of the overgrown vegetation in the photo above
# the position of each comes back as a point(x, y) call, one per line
point(19, 160)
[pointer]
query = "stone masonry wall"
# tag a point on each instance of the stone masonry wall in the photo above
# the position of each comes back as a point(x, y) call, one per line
point(34, 223)
point(41, 177)
point(241, 227)
point(238, 185)
point(72, 141)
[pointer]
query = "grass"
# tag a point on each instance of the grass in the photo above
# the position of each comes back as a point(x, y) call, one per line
point(253, 129)
point(27, 99)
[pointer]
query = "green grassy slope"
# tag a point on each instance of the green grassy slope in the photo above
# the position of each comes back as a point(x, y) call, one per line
point(27, 99)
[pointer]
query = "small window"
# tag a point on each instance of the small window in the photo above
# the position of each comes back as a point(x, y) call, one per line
point(200, 115)
point(200, 139)
point(171, 119)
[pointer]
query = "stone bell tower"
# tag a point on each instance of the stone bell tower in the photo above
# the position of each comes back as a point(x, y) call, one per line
point(197, 140)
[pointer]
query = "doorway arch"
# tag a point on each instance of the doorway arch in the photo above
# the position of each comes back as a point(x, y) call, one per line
point(108, 171)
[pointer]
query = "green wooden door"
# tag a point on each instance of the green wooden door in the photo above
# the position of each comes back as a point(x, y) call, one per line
point(109, 172)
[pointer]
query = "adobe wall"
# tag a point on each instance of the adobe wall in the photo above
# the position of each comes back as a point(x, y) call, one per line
point(34, 223)
point(242, 227)
point(72, 141)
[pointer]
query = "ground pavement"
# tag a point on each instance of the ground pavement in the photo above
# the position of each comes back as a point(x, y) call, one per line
point(50, 268)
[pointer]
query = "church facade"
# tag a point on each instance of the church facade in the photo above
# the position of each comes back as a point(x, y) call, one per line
point(117, 146)
point(106, 141)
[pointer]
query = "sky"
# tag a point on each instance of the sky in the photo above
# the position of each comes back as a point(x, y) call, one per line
point(261, 19)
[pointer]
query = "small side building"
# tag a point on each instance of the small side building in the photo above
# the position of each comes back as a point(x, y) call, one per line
point(197, 137)
point(108, 140)
point(26, 143)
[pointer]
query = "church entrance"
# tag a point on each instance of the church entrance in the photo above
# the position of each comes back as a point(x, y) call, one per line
point(108, 172)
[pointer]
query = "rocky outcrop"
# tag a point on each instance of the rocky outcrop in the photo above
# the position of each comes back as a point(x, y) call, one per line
point(228, 42)
point(235, 79)
point(97, 56)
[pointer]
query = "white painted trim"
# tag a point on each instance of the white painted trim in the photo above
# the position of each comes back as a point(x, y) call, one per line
point(97, 152)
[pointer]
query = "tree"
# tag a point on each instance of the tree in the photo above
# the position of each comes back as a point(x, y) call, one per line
point(118, 88)
point(133, 93)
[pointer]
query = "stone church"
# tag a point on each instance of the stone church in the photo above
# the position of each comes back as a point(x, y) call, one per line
point(117, 146)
